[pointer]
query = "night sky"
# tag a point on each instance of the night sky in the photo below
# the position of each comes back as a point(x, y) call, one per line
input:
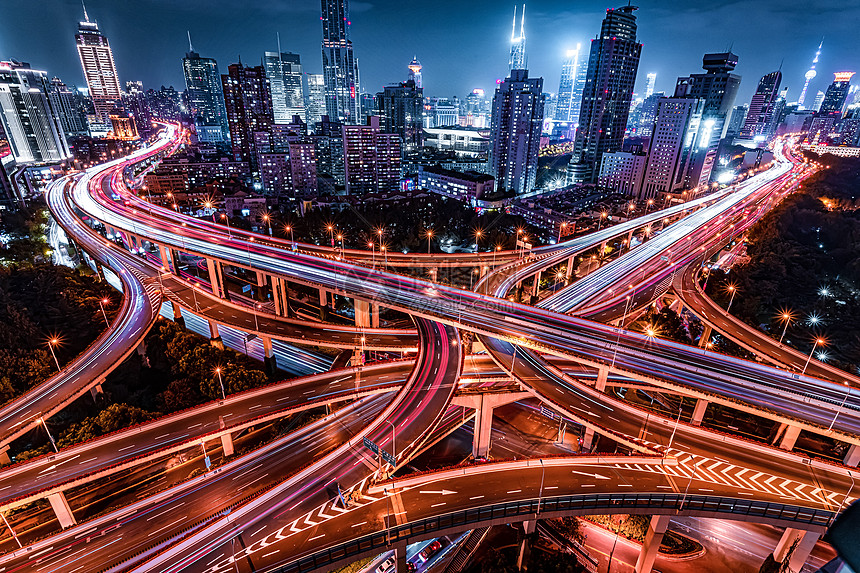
point(462, 44)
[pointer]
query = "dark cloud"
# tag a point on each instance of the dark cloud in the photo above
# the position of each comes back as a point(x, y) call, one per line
point(461, 44)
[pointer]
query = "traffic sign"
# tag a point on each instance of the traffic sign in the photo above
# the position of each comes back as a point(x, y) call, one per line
point(380, 452)
point(548, 413)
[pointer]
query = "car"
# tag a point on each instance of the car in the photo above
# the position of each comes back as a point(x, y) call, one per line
point(429, 551)
point(386, 565)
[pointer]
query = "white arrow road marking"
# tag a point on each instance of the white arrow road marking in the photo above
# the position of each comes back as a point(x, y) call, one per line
point(597, 476)
point(441, 491)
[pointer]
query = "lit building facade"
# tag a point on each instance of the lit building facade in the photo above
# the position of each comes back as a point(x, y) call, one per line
point(677, 128)
point(99, 69)
point(249, 108)
point(315, 104)
point(573, 74)
point(401, 109)
point(372, 159)
point(622, 172)
point(284, 70)
point(759, 121)
point(205, 96)
point(340, 67)
point(837, 93)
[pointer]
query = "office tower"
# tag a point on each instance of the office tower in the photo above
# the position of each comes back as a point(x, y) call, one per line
point(371, 158)
point(819, 99)
point(676, 127)
point(284, 70)
point(474, 110)
point(136, 103)
point(737, 120)
point(622, 172)
point(401, 107)
point(570, 86)
point(367, 106)
point(649, 87)
point(809, 76)
point(63, 99)
point(28, 116)
point(205, 96)
point(340, 67)
point(612, 66)
point(99, 69)
point(415, 72)
point(165, 103)
point(517, 60)
point(328, 148)
point(762, 107)
point(647, 114)
point(443, 112)
point(718, 87)
point(515, 132)
point(315, 106)
point(836, 94)
point(249, 108)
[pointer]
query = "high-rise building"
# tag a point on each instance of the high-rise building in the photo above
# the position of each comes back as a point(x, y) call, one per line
point(340, 67)
point(284, 70)
point(517, 60)
point(63, 99)
point(371, 158)
point(762, 107)
point(99, 69)
point(718, 87)
point(315, 105)
point(647, 114)
point(819, 100)
point(612, 66)
point(837, 92)
point(328, 148)
point(570, 86)
point(415, 72)
point(442, 112)
point(737, 120)
point(138, 105)
point(809, 76)
point(28, 116)
point(205, 96)
point(622, 172)
point(474, 109)
point(515, 132)
point(649, 87)
point(249, 108)
point(401, 107)
point(676, 129)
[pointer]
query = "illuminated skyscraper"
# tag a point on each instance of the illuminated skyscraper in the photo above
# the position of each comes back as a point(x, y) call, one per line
point(570, 86)
point(819, 99)
point(809, 76)
point(249, 108)
point(284, 70)
point(63, 99)
point(836, 94)
point(518, 43)
point(762, 107)
point(415, 72)
point(401, 107)
point(315, 104)
point(205, 96)
point(649, 87)
point(515, 132)
point(340, 67)
point(99, 69)
point(612, 66)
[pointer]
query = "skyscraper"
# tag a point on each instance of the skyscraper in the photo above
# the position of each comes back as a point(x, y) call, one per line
point(818, 101)
point(762, 107)
point(249, 108)
point(677, 124)
point(515, 132)
point(284, 70)
point(340, 67)
point(570, 86)
point(415, 72)
point(371, 158)
point(809, 76)
point(649, 87)
point(612, 66)
point(718, 87)
point(401, 107)
point(836, 94)
point(205, 96)
point(315, 105)
point(737, 120)
point(63, 99)
point(517, 60)
point(28, 117)
point(99, 69)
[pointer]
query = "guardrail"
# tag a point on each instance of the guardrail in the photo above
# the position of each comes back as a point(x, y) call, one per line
point(521, 510)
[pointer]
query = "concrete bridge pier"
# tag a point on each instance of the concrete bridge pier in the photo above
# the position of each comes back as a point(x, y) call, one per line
point(484, 404)
point(216, 278)
point(653, 539)
point(226, 439)
point(62, 510)
point(269, 359)
point(852, 458)
point(706, 335)
point(215, 336)
point(177, 315)
point(699, 412)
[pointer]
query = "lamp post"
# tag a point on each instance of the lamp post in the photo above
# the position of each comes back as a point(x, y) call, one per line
point(478, 234)
point(785, 316)
point(51, 344)
point(560, 229)
point(818, 341)
point(372, 246)
point(229, 230)
point(603, 215)
point(268, 221)
point(290, 229)
point(221, 381)
point(330, 229)
point(102, 304)
point(429, 236)
point(732, 289)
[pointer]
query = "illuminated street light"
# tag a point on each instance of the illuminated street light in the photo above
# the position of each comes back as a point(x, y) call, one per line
point(102, 304)
point(786, 317)
point(732, 289)
point(51, 344)
point(221, 381)
point(818, 342)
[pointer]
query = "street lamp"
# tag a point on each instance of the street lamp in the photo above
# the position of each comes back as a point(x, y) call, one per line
point(221, 381)
point(290, 229)
point(372, 246)
point(603, 215)
point(51, 344)
point(429, 236)
point(226, 218)
point(102, 304)
point(732, 289)
point(561, 228)
point(818, 341)
point(330, 229)
point(478, 234)
point(268, 221)
point(786, 316)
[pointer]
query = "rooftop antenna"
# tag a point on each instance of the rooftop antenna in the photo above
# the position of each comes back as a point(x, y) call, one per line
point(514, 24)
point(523, 23)
point(86, 16)
point(782, 61)
point(280, 61)
point(190, 47)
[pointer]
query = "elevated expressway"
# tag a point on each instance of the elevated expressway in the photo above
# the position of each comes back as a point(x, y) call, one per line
point(434, 289)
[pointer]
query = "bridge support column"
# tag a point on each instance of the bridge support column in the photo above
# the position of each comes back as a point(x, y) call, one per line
point(706, 335)
point(216, 278)
point(699, 412)
point(653, 539)
point(400, 564)
point(281, 297)
point(177, 314)
point(629, 238)
point(166, 259)
point(323, 304)
point(602, 378)
point(261, 285)
point(587, 438)
point(484, 404)
point(269, 359)
point(802, 551)
point(362, 314)
point(602, 251)
point(97, 390)
point(215, 336)
point(62, 510)
point(4, 455)
point(525, 546)
point(536, 285)
point(783, 546)
point(852, 457)
point(569, 270)
point(789, 438)
point(226, 439)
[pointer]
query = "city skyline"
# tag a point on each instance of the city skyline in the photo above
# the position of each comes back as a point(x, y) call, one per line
point(384, 51)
